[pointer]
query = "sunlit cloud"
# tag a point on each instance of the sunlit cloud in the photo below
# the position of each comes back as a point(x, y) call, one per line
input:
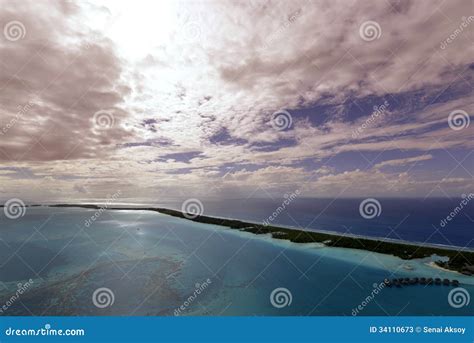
point(179, 99)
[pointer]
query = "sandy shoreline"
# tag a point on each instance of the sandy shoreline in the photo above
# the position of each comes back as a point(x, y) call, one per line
point(434, 265)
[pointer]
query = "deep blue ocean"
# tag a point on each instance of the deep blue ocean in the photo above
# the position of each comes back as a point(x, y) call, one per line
point(414, 220)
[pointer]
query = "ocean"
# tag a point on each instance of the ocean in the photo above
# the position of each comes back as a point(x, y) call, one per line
point(413, 220)
point(147, 263)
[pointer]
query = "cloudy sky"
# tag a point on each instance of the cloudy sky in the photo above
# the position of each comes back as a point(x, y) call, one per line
point(216, 99)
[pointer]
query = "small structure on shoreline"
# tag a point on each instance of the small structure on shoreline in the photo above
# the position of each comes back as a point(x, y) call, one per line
point(421, 280)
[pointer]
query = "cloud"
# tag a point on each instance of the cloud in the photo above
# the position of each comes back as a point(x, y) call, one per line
point(186, 93)
point(403, 161)
point(61, 76)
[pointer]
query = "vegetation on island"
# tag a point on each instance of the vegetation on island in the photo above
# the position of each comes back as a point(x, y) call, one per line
point(459, 260)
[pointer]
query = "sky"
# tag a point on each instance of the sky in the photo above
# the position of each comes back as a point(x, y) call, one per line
point(206, 99)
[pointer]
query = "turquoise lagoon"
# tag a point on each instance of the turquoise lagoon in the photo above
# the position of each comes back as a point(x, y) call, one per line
point(154, 264)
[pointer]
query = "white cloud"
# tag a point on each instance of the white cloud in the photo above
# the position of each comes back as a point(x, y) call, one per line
point(221, 66)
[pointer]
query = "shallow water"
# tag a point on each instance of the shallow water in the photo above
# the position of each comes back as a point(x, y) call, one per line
point(154, 263)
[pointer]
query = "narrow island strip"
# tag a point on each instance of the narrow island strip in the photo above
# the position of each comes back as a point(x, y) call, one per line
point(459, 260)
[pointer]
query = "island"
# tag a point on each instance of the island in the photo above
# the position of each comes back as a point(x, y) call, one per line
point(460, 260)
